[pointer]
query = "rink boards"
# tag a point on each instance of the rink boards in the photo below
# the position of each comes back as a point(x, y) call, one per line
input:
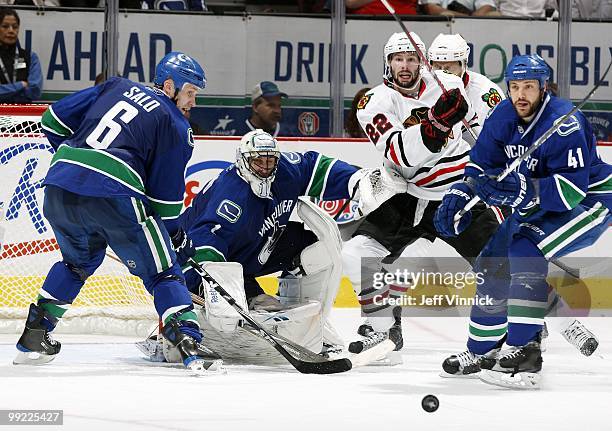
point(23, 164)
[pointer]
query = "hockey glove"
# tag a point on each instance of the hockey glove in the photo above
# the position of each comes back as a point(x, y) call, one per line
point(448, 110)
point(183, 247)
point(514, 191)
point(455, 199)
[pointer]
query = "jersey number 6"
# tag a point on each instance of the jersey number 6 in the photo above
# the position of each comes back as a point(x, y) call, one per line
point(126, 113)
point(377, 127)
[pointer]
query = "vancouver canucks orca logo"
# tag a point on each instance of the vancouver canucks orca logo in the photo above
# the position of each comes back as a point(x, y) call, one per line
point(416, 115)
point(492, 98)
point(190, 137)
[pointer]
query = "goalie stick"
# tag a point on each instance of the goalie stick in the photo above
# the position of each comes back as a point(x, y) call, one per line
point(364, 358)
point(311, 364)
point(304, 360)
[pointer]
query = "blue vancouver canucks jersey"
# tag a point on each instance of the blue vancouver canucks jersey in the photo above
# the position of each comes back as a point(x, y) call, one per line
point(567, 164)
point(120, 138)
point(228, 222)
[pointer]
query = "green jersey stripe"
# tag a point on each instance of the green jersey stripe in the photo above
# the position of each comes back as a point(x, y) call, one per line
point(205, 254)
point(316, 187)
point(527, 303)
point(603, 186)
point(53, 309)
point(486, 338)
point(487, 333)
point(487, 327)
point(166, 210)
point(521, 311)
point(172, 312)
point(52, 123)
point(568, 192)
point(589, 221)
point(101, 162)
point(554, 235)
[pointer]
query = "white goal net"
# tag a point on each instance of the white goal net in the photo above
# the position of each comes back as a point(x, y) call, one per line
point(111, 302)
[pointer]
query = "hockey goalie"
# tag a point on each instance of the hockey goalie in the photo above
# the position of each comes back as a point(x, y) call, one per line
point(238, 228)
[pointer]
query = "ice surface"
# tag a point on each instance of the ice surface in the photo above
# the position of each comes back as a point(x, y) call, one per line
point(102, 382)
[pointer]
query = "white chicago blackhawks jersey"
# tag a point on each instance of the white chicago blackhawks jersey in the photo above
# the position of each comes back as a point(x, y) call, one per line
point(483, 93)
point(392, 121)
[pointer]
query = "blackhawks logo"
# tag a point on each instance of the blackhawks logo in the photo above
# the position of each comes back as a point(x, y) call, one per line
point(492, 98)
point(416, 115)
point(363, 101)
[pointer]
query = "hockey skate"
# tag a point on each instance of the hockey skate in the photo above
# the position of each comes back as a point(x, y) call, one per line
point(580, 337)
point(467, 364)
point(152, 348)
point(36, 346)
point(516, 368)
point(195, 356)
point(372, 338)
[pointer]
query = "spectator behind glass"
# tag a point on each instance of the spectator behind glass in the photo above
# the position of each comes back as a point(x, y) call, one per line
point(459, 7)
point(20, 73)
point(39, 3)
point(526, 8)
point(197, 5)
point(375, 7)
point(266, 109)
point(592, 9)
point(352, 128)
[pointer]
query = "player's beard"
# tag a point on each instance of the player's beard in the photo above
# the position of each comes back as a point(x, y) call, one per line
point(410, 85)
point(532, 109)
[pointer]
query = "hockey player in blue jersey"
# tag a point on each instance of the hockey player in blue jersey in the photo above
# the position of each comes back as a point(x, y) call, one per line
point(116, 179)
point(242, 217)
point(561, 195)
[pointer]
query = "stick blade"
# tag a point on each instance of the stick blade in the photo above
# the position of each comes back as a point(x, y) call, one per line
point(327, 367)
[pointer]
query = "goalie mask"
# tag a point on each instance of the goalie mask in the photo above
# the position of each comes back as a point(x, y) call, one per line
point(257, 161)
point(450, 47)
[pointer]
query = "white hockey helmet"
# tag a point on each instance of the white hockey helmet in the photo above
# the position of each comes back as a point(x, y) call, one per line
point(399, 42)
point(257, 143)
point(449, 47)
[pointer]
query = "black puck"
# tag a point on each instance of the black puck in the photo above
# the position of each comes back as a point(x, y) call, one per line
point(430, 403)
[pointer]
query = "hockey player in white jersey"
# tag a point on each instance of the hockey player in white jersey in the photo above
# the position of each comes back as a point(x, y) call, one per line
point(450, 52)
point(417, 129)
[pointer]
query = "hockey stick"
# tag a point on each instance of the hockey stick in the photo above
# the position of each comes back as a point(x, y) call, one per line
point(423, 59)
point(303, 366)
point(299, 351)
point(537, 144)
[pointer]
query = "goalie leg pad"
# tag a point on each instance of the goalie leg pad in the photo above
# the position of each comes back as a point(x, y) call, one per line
point(219, 313)
point(320, 262)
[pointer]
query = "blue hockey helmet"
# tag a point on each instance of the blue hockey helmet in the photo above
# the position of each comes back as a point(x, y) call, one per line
point(525, 67)
point(181, 68)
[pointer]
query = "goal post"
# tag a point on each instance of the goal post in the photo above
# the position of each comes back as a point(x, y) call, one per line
point(112, 301)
